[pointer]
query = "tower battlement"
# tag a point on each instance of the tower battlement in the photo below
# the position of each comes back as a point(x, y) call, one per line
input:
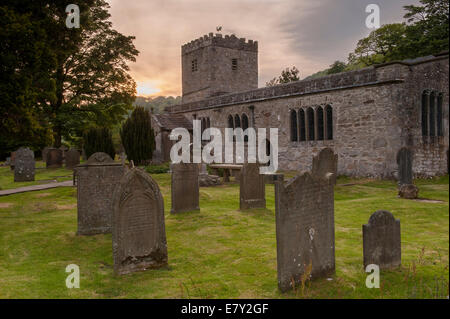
point(227, 41)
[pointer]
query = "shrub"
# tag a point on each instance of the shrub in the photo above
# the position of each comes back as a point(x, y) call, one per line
point(137, 136)
point(158, 169)
point(98, 140)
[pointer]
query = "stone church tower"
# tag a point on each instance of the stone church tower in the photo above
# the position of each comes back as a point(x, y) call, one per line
point(214, 65)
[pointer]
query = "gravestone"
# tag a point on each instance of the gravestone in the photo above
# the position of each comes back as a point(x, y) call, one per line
point(305, 222)
point(404, 162)
point(252, 190)
point(44, 153)
point(12, 160)
point(185, 187)
point(72, 158)
point(204, 179)
point(54, 158)
point(381, 240)
point(24, 165)
point(139, 236)
point(96, 179)
point(406, 188)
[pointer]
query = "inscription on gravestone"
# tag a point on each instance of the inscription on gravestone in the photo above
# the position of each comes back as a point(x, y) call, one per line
point(72, 158)
point(139, 236)
point(381, 240)
point(24, 165)
point(96, 180)
point(252, 191)
point(305, 222)
point(54, 158)
point(185, 187)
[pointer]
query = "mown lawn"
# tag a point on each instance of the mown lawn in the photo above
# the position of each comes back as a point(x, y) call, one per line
point(219, 252)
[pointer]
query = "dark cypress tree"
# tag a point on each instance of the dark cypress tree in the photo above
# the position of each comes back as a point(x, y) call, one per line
point(137, 136)
point(98, 140)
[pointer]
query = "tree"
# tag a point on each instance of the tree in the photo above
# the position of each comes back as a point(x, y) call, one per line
point(98, 139)
point(93, 86)
point(425, 32)
point(337, 67)
point(287, 76)
point(137, 136)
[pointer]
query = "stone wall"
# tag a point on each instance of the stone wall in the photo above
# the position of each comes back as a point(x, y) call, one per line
point(376, 111)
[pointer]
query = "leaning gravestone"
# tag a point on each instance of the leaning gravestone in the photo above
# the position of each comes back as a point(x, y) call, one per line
point(305, 222)
point(252, 190)
point(381, 241)
point(96, 179)
point(54, 158)
point(72, 158)
point(139, 236)
point(24, 165)
point(405, 174)
point(185, 187)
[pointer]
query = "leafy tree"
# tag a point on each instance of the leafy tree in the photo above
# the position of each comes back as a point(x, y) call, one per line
point(337, 67)
point(137, 136)
point(98, 140)
point(287, 76)
point(25, 65)
point(425, 32)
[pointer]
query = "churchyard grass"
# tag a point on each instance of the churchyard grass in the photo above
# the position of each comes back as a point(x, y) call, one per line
point(218, 252)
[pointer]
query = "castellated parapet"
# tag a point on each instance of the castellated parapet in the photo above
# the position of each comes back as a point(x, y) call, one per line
point(229, 41)
point(214, 65)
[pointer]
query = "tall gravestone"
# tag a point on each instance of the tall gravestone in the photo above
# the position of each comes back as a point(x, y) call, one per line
point(24, 165)
point(406, 188)
point(139, 236)
point(72, 158)
point(54, 158)
point(12, 160)
point(44, 153)
point(96, 179)
point(252, 190)
point(185, 187)
point(305, 222)
point(381, 240)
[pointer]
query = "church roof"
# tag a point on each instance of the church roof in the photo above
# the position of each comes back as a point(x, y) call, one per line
point(172, 121)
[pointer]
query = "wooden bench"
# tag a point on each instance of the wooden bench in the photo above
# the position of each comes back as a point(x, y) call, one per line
point(227, 168)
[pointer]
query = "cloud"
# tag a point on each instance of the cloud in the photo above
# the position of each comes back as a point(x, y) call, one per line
point(305, 33)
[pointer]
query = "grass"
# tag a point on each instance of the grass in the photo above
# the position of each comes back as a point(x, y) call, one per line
point(219, 252)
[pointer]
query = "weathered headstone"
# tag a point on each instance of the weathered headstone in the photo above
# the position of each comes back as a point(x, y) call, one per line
point(404, 161)
point(44, 153)
point(185, 187)
point(12, 160)
point(406, 188)
point(305, 222)
point(72, 158)
point(139, 236)
point(204, 179)
point(381, 240)
point(54, 158)
point(24, 165)
point(252, 190)
point(96, 179)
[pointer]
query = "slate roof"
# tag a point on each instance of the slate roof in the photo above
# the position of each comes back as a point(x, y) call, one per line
point(172, 121)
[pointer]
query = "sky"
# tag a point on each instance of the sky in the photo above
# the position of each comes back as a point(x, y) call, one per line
point(308, 34)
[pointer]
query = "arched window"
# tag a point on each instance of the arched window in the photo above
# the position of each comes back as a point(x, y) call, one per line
point(230, 121)
point(245, 125)
point(320, 126)
point(310, 116)
point(440, 131)
point(425, 113)
point(294, 134)
point(329, 122)
point(302, 125)
point(237, 121)
point(432, 117)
